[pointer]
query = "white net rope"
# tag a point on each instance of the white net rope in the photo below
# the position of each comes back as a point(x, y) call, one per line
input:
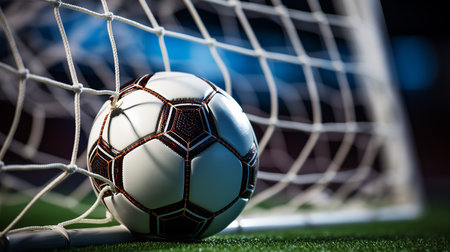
point(325, 119)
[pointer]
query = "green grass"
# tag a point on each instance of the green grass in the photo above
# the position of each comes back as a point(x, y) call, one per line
point(43, 213)
point(429, 233)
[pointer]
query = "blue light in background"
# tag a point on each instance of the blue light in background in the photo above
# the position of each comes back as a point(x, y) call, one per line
point(416, 62)
point(139, 47)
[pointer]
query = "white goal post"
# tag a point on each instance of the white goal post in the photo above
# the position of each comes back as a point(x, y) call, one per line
point(314, 78)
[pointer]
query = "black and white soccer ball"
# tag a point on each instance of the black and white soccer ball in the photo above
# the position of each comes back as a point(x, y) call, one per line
point(181, 153)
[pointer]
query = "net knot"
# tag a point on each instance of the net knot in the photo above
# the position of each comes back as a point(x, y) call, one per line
point(24, 74)
point(160, 31)
point(338, 66)
point(72, 168)
point(283, 11)
point(78, 88)
point(57, 3)
point(210, 41)
point(109, 16)
point(259, 52)
point(317, 127)
point(116, 104)
point(304, 59)
point(234, 4)
point(320, 17)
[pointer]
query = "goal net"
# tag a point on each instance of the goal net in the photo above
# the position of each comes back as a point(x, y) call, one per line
point(312, 76)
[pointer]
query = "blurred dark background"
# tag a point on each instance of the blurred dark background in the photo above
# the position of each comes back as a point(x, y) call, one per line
point(420, 41)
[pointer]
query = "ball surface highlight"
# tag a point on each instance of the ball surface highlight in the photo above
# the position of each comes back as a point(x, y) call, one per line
point(181, 153)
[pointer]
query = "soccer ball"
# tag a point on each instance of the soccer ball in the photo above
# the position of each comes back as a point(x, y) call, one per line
point(181, 153)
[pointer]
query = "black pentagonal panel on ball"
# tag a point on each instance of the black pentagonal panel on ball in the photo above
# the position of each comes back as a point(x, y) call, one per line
point(182, 220)
point(250, 163)
point(189, 124)
point(99, 166)
point(101, 156)
point(181, 226)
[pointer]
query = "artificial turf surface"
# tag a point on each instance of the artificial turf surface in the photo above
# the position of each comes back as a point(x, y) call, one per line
point(431, 232)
